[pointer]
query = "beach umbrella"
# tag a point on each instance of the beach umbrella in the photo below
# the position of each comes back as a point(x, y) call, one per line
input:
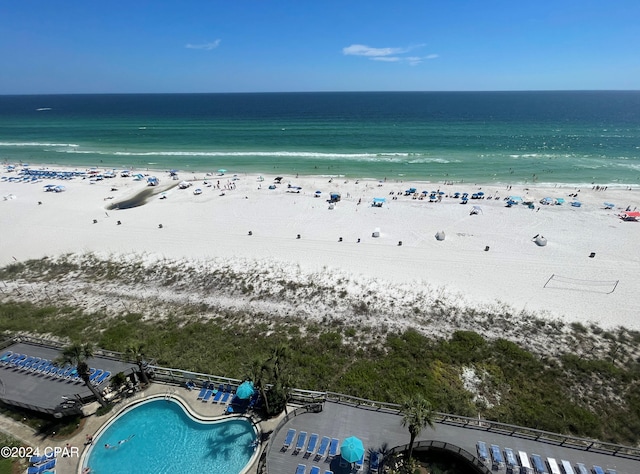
point(245, 390)
point(222, 171)
point(352, 449)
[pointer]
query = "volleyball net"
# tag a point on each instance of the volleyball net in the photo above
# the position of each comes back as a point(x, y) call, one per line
point(592, 286)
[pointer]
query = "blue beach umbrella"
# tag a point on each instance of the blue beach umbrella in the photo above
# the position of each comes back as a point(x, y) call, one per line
point(245, 390)
point(352, 449)
point(222, 171)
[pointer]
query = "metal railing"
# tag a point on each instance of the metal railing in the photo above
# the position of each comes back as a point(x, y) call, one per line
point(441, 445)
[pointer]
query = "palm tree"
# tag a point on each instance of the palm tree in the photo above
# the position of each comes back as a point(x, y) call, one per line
point(417, 414)
point(136, 352)
point(77, 355)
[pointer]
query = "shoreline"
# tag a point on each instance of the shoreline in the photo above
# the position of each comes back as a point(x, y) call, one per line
point(397, 178)
point(214, 226)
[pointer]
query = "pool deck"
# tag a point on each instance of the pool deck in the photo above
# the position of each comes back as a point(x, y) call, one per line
point(378, 430)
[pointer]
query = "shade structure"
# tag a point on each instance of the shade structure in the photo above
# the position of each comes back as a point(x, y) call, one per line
point(245, 390)
point(222, 171)
point(352, 449)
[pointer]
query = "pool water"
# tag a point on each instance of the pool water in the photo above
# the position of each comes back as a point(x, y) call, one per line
point(164, 438)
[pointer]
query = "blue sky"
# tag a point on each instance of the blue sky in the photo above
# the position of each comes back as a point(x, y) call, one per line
point(325, 45)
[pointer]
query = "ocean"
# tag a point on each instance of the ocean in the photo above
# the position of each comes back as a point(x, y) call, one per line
point(559, 137)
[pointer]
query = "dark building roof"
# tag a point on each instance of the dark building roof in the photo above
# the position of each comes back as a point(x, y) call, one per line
point(43, 392)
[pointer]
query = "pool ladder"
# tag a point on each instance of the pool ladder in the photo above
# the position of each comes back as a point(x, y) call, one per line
point(170, 393)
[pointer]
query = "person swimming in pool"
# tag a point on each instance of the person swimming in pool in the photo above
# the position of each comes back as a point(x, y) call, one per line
point(120, 443)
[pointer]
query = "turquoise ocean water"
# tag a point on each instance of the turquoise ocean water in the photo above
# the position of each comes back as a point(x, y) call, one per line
point(480, 137)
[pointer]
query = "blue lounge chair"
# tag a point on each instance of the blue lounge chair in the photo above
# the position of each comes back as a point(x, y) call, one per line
point(301, 469)
point(597, 470)
point(288, 439)
point(582, 469)
point(95, 375)
point(225, 397)
point(203, 390)
point(483, 454)
point(314, 470)
point(104, 376)
point(322, 450)
point(217, 396)
point(207, 395)
point(538, 464)
point(313, 441)
point(328, 472)
point(302, 438)
point(360, 463)
point(333, 448)
point(4, 358)
point(374, 462)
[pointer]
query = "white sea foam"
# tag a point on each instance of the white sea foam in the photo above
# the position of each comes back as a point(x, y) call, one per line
point(38, 144)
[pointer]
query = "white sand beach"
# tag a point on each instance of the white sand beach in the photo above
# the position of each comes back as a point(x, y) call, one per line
point(215, 225)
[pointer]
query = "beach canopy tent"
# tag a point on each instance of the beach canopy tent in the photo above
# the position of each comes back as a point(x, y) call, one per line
point(475, 210)
point(378, 202)
point(576, 203)
point(631, 216)
point(334, 197)
point(376, 232)
point(559, 201)
point(411, 191)
point(222, 171)
point(608, 205)
point(546, 201)
point(184, 184)
point(245, 390)
point(352, 449)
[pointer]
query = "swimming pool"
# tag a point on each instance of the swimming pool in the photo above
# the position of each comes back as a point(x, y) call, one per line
point(164, 438)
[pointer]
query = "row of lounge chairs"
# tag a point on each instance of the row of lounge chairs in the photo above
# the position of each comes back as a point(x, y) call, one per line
point(223, 394)
point(48, 368)
point(328, 447)
point(522, 464)
point(42, 464)
point(302, 469)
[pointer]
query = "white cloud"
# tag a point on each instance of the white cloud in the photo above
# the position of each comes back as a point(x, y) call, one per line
point(390, 55)
point(363, 50)
point(389, 59)
point(204, 46)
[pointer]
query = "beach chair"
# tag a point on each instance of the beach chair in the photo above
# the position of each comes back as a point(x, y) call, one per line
point(4, 358)
point(311, 447)
point(496, 456)
point(333, 448)
point(104, 376)
point(301, 469)
point(288, 439)
point(218, 395)
point(302, 438)
point(360, 463)
point(597, 470)
point(374, 463)
point(322, 450)
point(538, 464)
point(611, 471)
point(207, 395)
point(95, 375)
point(314, 470)
point(566, 465)
point(581, 468)
point(328, 472)
point(225, 397)
point(483, 454)
point(203, 390)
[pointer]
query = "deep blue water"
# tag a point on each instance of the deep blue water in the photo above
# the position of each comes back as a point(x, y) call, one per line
point(505, 137)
